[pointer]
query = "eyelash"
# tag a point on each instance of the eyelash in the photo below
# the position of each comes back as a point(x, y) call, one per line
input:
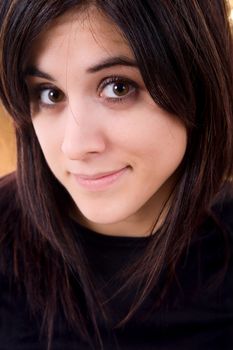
point(38, 90)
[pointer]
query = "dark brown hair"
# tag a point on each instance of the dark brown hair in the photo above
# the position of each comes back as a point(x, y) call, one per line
point(184, 53)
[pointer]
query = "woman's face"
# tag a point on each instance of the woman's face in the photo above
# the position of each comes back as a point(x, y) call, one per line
point(104, 138)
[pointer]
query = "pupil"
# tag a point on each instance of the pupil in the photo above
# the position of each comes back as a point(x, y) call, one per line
point(120, 89)
point(54, 95)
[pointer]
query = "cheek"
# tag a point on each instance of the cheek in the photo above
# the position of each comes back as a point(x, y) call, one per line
point(158, 156)
point(170, 145)
point(50, 140)
point(159, 143)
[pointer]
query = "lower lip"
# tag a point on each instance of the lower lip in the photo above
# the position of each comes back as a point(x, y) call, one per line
point(101, 183)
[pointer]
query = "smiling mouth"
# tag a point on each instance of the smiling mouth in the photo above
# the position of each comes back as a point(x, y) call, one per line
point(100, 181)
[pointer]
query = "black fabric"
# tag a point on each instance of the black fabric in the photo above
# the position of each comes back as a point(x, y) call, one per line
point(192, 316)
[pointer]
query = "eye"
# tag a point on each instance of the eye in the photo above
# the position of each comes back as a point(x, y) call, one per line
point(116, 88)
point(50, 96)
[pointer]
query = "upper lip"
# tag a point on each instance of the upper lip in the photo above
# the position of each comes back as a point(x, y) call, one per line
point(97, 175)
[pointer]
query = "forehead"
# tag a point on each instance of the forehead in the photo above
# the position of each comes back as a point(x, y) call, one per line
point(89, 33)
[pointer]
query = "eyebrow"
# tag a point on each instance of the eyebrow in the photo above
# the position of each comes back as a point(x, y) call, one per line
point(33, 71)
point(111, 62)
point(104, 64)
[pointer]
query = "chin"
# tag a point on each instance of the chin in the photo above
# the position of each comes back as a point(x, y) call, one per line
point(101, 219)
point(103, 215)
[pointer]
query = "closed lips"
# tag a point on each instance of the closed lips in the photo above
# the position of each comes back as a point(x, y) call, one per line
point(98, 176)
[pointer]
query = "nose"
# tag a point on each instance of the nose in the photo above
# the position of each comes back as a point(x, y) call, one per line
point(82, 135)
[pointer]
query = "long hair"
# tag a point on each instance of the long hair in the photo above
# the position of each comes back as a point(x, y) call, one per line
point(184, 52)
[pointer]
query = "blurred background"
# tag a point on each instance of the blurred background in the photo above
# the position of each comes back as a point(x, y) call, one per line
point(7, 144)
point(7, 139)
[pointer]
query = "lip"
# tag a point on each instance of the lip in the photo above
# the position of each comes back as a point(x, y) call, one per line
point(100, 181)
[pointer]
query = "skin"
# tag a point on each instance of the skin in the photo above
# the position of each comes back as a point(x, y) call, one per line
point(84, 128)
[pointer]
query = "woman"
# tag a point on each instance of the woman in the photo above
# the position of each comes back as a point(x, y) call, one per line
point(116, 229)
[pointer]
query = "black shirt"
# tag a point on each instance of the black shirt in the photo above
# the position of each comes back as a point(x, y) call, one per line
point(191, 317)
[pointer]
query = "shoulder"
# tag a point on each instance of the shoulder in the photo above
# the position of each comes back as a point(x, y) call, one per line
point(8, 197)
point(218, 248)
point(222, 209)
point(210, 254)
point(217, 230)
point(9, 217)
point(217, 241)
point(217, 226)
point(7, 184)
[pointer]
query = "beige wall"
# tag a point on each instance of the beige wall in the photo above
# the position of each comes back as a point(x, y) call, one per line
point(7, 144)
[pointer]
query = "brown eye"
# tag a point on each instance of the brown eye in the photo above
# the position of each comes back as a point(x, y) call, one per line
point(49, 96)
point(121, 89)
point(117, 89)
